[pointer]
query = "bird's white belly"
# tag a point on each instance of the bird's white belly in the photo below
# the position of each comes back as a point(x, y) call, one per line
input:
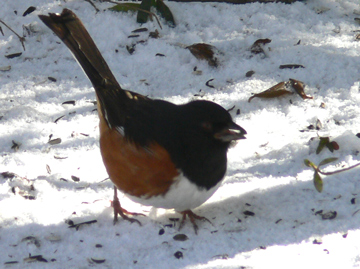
point(182, 195)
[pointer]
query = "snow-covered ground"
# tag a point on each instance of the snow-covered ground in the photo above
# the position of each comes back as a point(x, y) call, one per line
point(266, 172)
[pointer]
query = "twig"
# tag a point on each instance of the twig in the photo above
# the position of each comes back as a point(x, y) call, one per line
point(77, 226)
point(139, 9)
point(91, 3)
point(22, 39)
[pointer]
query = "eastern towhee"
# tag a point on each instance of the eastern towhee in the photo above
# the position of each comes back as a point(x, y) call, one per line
point(158, 153)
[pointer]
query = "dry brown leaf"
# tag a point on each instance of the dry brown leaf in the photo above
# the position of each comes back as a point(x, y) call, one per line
point(258, 45)
point(275, 91)
point(299, 86)
point(206, 52)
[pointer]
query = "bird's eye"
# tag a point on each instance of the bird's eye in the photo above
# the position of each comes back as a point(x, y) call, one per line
point(207, 126)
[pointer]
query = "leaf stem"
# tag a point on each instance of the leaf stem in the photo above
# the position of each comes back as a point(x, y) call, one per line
point(336, 171)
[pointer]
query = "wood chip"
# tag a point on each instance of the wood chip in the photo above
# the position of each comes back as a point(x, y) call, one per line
point(55, 141)
point(98, 260)
point(329, 215)
point(248, 213)
point(37, 258)
point(8, 175)
point(76, 179)
point(11, 262)
point(180, 237)
point(29, 10)
point(249, 74)
point(140, 30)
point(13, 55)
point(48, 169)
point(5, 68)
point(291, 66)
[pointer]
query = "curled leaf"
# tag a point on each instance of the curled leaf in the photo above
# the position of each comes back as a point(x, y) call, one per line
point(275, 91)
point(318, 183)
point(299, 87)
point(204, 51)
point(310, 164)
point(258, 45)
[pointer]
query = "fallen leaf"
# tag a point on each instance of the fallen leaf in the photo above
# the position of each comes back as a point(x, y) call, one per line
point(204, 51)
point(299, 86)
point(275, 91)
point(258, 46)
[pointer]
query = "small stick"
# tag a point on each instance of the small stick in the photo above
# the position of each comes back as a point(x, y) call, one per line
point(22, 39)
point(91, 3)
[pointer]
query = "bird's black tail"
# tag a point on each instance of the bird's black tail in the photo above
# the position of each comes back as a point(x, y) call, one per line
point(69, 28)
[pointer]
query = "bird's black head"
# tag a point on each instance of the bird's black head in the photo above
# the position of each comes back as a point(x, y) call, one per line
point(213, 121)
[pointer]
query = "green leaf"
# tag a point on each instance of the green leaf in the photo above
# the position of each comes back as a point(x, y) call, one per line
point(318, 183)
point(310, 164)
point(326, 161)
point(165, 12)
point(142, 16)
point(323, 142)
point(125, 7)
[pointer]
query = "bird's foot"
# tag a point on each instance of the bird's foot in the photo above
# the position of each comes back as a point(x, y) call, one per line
point(193, 217)
point(118, 210)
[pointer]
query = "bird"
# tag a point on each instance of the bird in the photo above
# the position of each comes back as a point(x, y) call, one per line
point(156, 152)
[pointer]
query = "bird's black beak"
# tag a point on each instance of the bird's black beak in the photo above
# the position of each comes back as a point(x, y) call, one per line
point(232, 132)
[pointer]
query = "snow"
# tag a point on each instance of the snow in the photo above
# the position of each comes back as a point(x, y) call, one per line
point(266, 172)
